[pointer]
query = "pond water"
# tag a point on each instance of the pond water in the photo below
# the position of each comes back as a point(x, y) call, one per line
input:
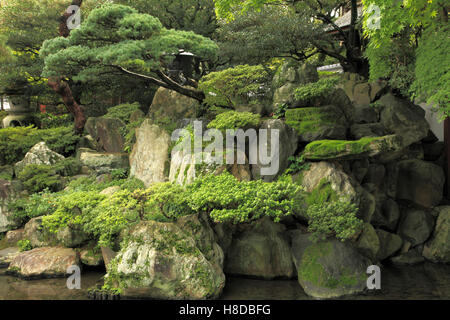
point(424, 281)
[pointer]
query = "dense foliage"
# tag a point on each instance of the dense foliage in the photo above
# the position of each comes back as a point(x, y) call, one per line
point(239, 85)
point(311, 93)
point(16, 142)
point(116, 40)
point(235, 120)
point(123, 111)
point(410, 48)
point(189, 15)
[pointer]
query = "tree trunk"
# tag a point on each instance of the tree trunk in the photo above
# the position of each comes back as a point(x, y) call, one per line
point(61, 87)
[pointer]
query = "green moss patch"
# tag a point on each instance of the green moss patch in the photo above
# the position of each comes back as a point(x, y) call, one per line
point(332, 149)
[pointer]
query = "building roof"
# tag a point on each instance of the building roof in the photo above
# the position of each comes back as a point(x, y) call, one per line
point(344, 21)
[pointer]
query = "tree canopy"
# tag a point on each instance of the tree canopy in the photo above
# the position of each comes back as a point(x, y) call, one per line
point(293, 28)
point(189, 15)
point(118, 39)
point(412, 38)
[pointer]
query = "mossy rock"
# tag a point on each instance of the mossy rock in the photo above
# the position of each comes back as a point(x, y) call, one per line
point(168, 261)
point(329, 269)
point(314, 123)
point(348, 149)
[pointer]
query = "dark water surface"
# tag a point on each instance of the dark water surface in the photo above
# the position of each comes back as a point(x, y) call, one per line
point(424, 281)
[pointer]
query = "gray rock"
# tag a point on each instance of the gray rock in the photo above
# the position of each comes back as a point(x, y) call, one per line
point(368, 243)
point(286, 146)
point(329, 269)
point(403, 118)
point(171, 105)
point(438, 248)
point(106, 133)
point(262, 250)
point(44, 262)
point(9, 191)
point(339, 180)
point(387, 216)
point(164, 261)
point(110, 190)
point(389, 244)
point(149, 159)
point(103, 162)
point(14, 235)
point(365, 114)
point(416, 226)
point(409, 258)
point(358, 131)
point(39, 154)
point(38, 236)
point(7, 255)
point(418, 181)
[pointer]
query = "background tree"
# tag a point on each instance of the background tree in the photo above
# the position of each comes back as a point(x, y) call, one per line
point(421, 27)
point(309, 29)
point(116, 39)
point(189, 15)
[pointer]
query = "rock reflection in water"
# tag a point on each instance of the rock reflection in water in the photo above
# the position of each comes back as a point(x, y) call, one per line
point(423, 281)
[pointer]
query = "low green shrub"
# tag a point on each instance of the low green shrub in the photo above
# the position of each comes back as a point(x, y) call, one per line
point(24, 245)
point(311, 93)
point(228, 200)
point(15, 142)
point(336, 218)
point(36, 205)
point(239, 85)
point(235, 120)
point(122, 112)
point(37, 178)
point(48, 120)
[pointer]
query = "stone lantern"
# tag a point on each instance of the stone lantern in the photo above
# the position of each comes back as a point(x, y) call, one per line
point(19, 113)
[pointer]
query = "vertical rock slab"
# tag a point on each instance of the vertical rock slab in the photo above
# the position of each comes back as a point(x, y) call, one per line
point(149, 160)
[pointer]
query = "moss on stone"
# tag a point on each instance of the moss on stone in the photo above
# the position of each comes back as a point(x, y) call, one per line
point(329, 149)
point(305, 120)
point(322, 193)
point(311, 269)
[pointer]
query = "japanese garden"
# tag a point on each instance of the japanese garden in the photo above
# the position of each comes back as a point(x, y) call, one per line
point(202, 149)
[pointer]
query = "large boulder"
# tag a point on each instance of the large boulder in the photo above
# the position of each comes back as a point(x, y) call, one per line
point(328, 269)
point(390, 243)
point(286, 145)
point(386, 215)
point(368, 243)
point(7, 255)
point(44, 262)
point(418, 181)
point(107, 133)
point(318, 123)
point(183, 169)
point(332, 173)
point(149, 159)
point(260, 250)
point(169, 105)
point(38, 236)
point(168, 261)
point(9, 191)
point(38, 154)
point(101, 162)
point(438, 248)
point(403, 118)
point(289, 77)
point(416, 226)
point(358, 131)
